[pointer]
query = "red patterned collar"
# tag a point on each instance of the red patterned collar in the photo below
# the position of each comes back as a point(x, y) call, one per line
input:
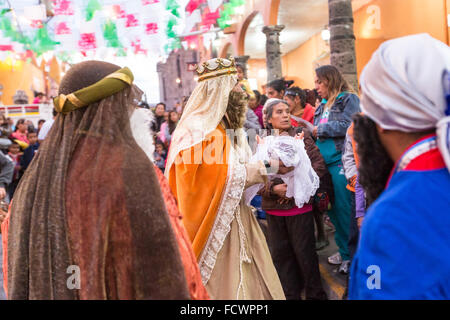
point(422, 155)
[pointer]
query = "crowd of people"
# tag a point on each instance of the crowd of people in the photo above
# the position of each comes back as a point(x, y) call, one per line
point(19, 142)
point(188, 205)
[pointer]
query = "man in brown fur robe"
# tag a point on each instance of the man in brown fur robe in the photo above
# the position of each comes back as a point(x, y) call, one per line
point(88, 220)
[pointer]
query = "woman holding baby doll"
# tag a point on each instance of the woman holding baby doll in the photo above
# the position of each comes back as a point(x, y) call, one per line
point(291, 228)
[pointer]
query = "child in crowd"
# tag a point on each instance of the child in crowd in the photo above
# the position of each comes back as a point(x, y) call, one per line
point(160, 155)
point(15, 154)
point(29, 152)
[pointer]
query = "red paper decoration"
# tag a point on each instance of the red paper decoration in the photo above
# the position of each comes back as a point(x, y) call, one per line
point(62, 28)
point(119, 12)
point(6, 47)
point(36, 24)
point(192, 40)
point(193, 4)
point(209, 18)
point(63, 7)
point(87, 41)
point(151, 28)
point(146, 2)
point(131, 21)
point(137, 47)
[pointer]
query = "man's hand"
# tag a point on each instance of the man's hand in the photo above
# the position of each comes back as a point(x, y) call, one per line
point(2, 193)
point(359, 221)
point(280, 190)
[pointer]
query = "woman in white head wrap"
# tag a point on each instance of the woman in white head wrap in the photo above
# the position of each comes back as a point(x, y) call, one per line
point(404, 147)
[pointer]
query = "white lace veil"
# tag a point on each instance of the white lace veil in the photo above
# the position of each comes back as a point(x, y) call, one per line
point(303, 182)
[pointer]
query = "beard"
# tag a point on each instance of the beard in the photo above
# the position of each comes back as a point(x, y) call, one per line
point(236, 110)
point(140, 124)
point(375, 164)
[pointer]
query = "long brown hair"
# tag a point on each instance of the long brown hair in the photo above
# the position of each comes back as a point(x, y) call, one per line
point(335, 82)
point(172, 125)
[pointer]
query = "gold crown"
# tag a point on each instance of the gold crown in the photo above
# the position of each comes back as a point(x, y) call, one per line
point(215, 68)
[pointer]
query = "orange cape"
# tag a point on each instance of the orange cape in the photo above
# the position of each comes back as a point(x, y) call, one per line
point(197, 183)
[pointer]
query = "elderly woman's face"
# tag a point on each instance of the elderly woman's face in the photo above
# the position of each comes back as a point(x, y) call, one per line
point(281, 117)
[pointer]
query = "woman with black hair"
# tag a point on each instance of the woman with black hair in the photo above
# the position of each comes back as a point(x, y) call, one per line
point(331, 120)
point(277, 88)
point(158, 120)
point(299, 108)
point(168, 127)
point(254, 103)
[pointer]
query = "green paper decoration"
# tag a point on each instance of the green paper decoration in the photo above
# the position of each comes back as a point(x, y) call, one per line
point(169, 30)
point(4, 11)
point(227, 12)
point(173, 40)
point(91, 8)
point(63, 56)
point(42, 41)
point(110, 35)
point(172, 6)
point(121, 53)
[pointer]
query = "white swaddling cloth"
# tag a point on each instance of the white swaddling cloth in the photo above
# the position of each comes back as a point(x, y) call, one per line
point(302, 182)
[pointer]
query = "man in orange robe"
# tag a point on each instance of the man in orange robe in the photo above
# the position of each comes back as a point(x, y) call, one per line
point(208, 174)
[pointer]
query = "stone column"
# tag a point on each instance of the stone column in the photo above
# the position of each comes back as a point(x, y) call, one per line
point(160, 68)
point(273, 53)
point(342, 41)
point(242, 60)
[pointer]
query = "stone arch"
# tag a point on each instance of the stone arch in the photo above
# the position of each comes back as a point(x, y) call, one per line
point(225, 51)
point(271, 18)
point(243, 31)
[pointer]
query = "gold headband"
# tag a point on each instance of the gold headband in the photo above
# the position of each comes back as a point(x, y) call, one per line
point(222, 72)
point(216, 68)
point(109, 85)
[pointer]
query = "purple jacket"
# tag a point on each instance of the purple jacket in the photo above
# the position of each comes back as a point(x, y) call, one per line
point(258, 111)
point(360, 200)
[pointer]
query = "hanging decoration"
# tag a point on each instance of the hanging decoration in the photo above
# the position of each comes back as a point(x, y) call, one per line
point(191, 20)
point(91, 8)
point(151, 28)
point(110, 35)
point(140, 26)
point(63, 8)
point(131, 21)
point(193, 5)
point(214, 4)
point(228, 10)
point(147, 2)
point(87, 41)
point(172, 6)
point(210, 18)
point(118, 12)
point(42, 42)
point(62, 28)
point(173, 42)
